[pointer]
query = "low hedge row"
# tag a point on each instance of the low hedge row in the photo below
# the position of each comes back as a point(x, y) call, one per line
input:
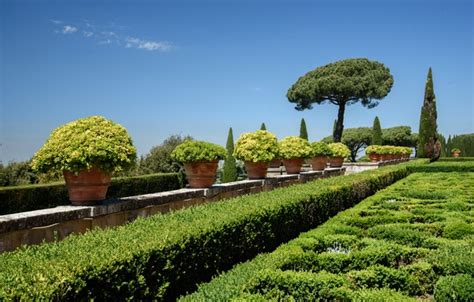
point(33, 197)
point(410, 241)
point(164, 256)
point(456, 159)
point(446, 166)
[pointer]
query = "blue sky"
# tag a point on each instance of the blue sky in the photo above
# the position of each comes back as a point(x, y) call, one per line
point(197, 68)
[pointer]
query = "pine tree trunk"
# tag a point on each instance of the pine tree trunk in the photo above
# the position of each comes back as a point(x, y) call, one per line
point(339, 123)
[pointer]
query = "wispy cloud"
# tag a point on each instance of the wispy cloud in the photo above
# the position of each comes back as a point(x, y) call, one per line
point(111, 34)
point(69, 29)
point(148, 45)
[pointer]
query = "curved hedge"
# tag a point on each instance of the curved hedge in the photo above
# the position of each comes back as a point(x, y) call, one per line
point(34, 197)
point(412, 240)
point(164, 256)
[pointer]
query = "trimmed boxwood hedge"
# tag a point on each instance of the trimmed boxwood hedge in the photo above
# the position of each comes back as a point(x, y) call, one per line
point(164, 256)
point(33, 197)
point(397, 245)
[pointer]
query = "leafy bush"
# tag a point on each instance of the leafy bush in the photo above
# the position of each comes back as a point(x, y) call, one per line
point(191, 151)
point(164, 256)
point(455, 150)
point(159, 160)
point(283, 285)
point(34, 197)
point(459, 288)
point(84, 143)
point(320, 149)
point(258, 146)
point(339, 150)
point(294, 147)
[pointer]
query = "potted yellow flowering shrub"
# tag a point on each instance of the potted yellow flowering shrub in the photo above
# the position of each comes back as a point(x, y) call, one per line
point(256, 149)
point(200, 161)
point(456, 152)
point(373, 152)
point(293, 150)
point(88, 151)
point(320, 155)
point(339, 152)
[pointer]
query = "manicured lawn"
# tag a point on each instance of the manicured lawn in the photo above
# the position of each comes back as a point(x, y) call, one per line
point(412, 240)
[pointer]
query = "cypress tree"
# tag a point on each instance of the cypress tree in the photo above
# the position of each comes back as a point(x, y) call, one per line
point(303, 131)
point(334, 129)
point(229, 171)
point(427, 137)
point(263, 127)
point(376, 132)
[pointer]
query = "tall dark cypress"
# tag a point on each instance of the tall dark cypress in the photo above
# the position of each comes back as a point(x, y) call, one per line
point(427, 135)
point(229, 171)
point(303, 130)
point(376, 132)
point(263, 127)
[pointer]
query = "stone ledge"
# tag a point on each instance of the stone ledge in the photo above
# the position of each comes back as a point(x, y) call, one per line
point(34, 227)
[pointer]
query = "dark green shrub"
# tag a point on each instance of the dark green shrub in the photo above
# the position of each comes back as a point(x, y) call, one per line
point(424, 274)
point(301, 286)
point(380, 295)
point(380, 277)
point(33, 197)
point(459, 288)
point(457, 230)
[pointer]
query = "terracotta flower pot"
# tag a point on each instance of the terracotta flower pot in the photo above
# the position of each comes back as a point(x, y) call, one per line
point(336, 162)
point(319, 163)
point(87, 187)
point(201, 174)
point(256, 170)
point(293, 165)
point(456, 154)
point(374, 157)
point(276, 163)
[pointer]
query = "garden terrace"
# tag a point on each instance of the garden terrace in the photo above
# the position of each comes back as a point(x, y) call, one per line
point(412, 240)
point(164, 256)
point(48, 225)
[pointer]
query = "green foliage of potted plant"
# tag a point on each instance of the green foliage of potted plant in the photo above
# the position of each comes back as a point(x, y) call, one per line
point(372, 152)
point(88, 151)
point(456, 152)
point(293, 150)
point(256, 149)
point(200, 161)
point(339, 152)
point(320, 155)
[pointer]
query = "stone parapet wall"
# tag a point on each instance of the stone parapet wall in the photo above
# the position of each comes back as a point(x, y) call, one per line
point(52, 224)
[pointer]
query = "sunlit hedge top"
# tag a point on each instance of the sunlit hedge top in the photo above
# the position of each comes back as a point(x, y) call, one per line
point(320, 149)
point(339, 150)
point(84, 143)
point(258, 146)
point(294, 147)
point(383, 150)
point(191, 151)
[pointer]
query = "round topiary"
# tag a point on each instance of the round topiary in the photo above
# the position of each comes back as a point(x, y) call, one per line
point(339, 150)
point(193, 151)
point(455, 150)
point(85, 143)
point(259, 146)
point(294, 147)
point(320, 149)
